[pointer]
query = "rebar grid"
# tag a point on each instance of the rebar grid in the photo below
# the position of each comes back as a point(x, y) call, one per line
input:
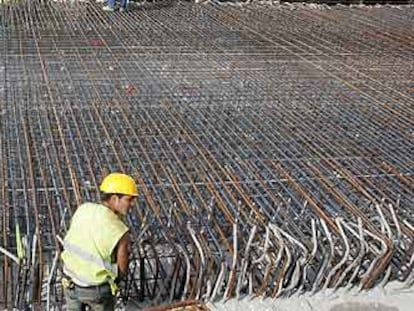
point(272, 147)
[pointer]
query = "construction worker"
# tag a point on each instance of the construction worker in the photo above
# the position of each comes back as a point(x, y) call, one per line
point(110, 6)
point(96, 246)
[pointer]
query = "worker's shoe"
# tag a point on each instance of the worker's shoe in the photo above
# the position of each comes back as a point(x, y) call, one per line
point(108, 8)
point(121, 9)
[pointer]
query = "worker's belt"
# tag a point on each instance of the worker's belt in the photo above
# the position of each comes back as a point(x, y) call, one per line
point(67, 283)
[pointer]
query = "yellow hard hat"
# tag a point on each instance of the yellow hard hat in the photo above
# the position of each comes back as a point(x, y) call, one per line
point(119, 183)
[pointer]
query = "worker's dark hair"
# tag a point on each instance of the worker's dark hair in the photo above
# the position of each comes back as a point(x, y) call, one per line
point(107, 196)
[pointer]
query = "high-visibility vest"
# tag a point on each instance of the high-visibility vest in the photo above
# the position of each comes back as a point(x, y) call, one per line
point(94, 232)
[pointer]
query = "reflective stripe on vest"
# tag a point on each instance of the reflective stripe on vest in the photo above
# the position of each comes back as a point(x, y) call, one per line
point(90, 257)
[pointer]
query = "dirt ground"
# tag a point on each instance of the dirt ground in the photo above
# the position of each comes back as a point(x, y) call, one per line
point(391, 298)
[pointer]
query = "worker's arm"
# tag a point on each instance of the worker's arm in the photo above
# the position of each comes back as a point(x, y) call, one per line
point(122, 252)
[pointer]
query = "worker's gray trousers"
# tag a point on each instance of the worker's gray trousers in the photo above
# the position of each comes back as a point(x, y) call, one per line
point(97, 298)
